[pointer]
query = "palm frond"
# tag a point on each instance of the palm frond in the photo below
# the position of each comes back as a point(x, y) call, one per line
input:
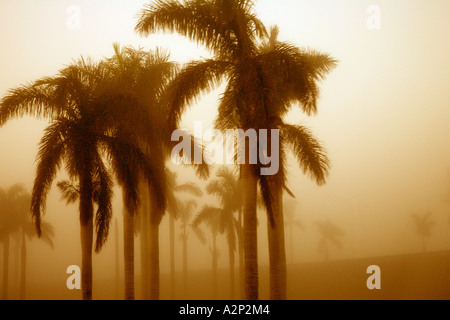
point(50, 155)
point(308, 151)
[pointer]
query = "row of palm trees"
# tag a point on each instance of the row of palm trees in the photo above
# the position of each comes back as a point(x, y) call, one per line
point(112, 121)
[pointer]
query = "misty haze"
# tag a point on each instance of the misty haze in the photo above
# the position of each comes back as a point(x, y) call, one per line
point(99, 201)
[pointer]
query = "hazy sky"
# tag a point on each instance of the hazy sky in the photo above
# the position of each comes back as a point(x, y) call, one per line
point(384, 113)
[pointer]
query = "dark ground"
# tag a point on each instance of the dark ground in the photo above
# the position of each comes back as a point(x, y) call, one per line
point(403, 277)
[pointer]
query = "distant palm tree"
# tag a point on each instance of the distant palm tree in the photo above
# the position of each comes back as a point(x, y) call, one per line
point(262, 84)
point(423, 225)
point(90, 117)
point(9, 224)
point(174, 206)
point(186, 210)
point(29, 231)
point(330, 233)
point(227, 188)
point(291, 222)
point(15, 218)
point(210, 217)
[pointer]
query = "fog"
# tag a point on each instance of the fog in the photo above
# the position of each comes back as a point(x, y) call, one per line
point(384, 119)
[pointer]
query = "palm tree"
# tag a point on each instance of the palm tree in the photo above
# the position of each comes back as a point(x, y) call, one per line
point(9, 224)
point(145, 75)
point(173, 208)
point(210, 217)
point(29, 231)
point(228, 189)
point(423, 225)
point(291, 222)
point(329, 232)
point(90, 116)
point(186, 210)
point(15, 219)
point(229, 29)
point(262, 85)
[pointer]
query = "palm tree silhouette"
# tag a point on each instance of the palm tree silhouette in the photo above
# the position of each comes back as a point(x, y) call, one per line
point(211, 218)
point(14, 218)
point(423, 225)
point(262, 84)
point(229, 29)
point(145, 75)
point(90, 117)
point(291, 222)
point(174, 206)
point(330, 233)
point(186, 210)
point(29, 231)
point(228, 189)
point(9, 224)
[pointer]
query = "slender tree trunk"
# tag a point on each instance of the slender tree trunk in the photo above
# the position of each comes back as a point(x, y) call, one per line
point(154, 261)
point(117, 258)
point(172, 255)
point(248, 179)
point(185, 262)
point(154, 271)
point(214, 268)
point(291, 244)
point(23, 267)
point(231, 267)
point(277, 252)
point(128, 253)
point(86, 235)
point(241, 257)
point(144, 242)
point(5, 266)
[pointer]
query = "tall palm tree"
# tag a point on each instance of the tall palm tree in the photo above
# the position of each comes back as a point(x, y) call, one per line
point(145, 76)
point(186, 210)
point(230, 30)
point(210, 217)
point(174, 206)
point(330, 233)
point(423, 225)
point(227, 188)
point(262, 85)
point(90, 118)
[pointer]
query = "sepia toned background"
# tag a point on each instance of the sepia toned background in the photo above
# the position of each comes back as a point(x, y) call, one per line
point(384, 118)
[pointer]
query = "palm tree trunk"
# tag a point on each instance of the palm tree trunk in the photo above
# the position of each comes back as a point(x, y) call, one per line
point(86, 235)
point(154, 261)
point(5, 266)
point(144, 242)
point(117, 258)
point(214, 268)
point(277, 251)
point(23, 267)
point(241, 256)
point(185, 261)
point(250, 232)
point(172, 255)
point(128, 253)
point(231, 266)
